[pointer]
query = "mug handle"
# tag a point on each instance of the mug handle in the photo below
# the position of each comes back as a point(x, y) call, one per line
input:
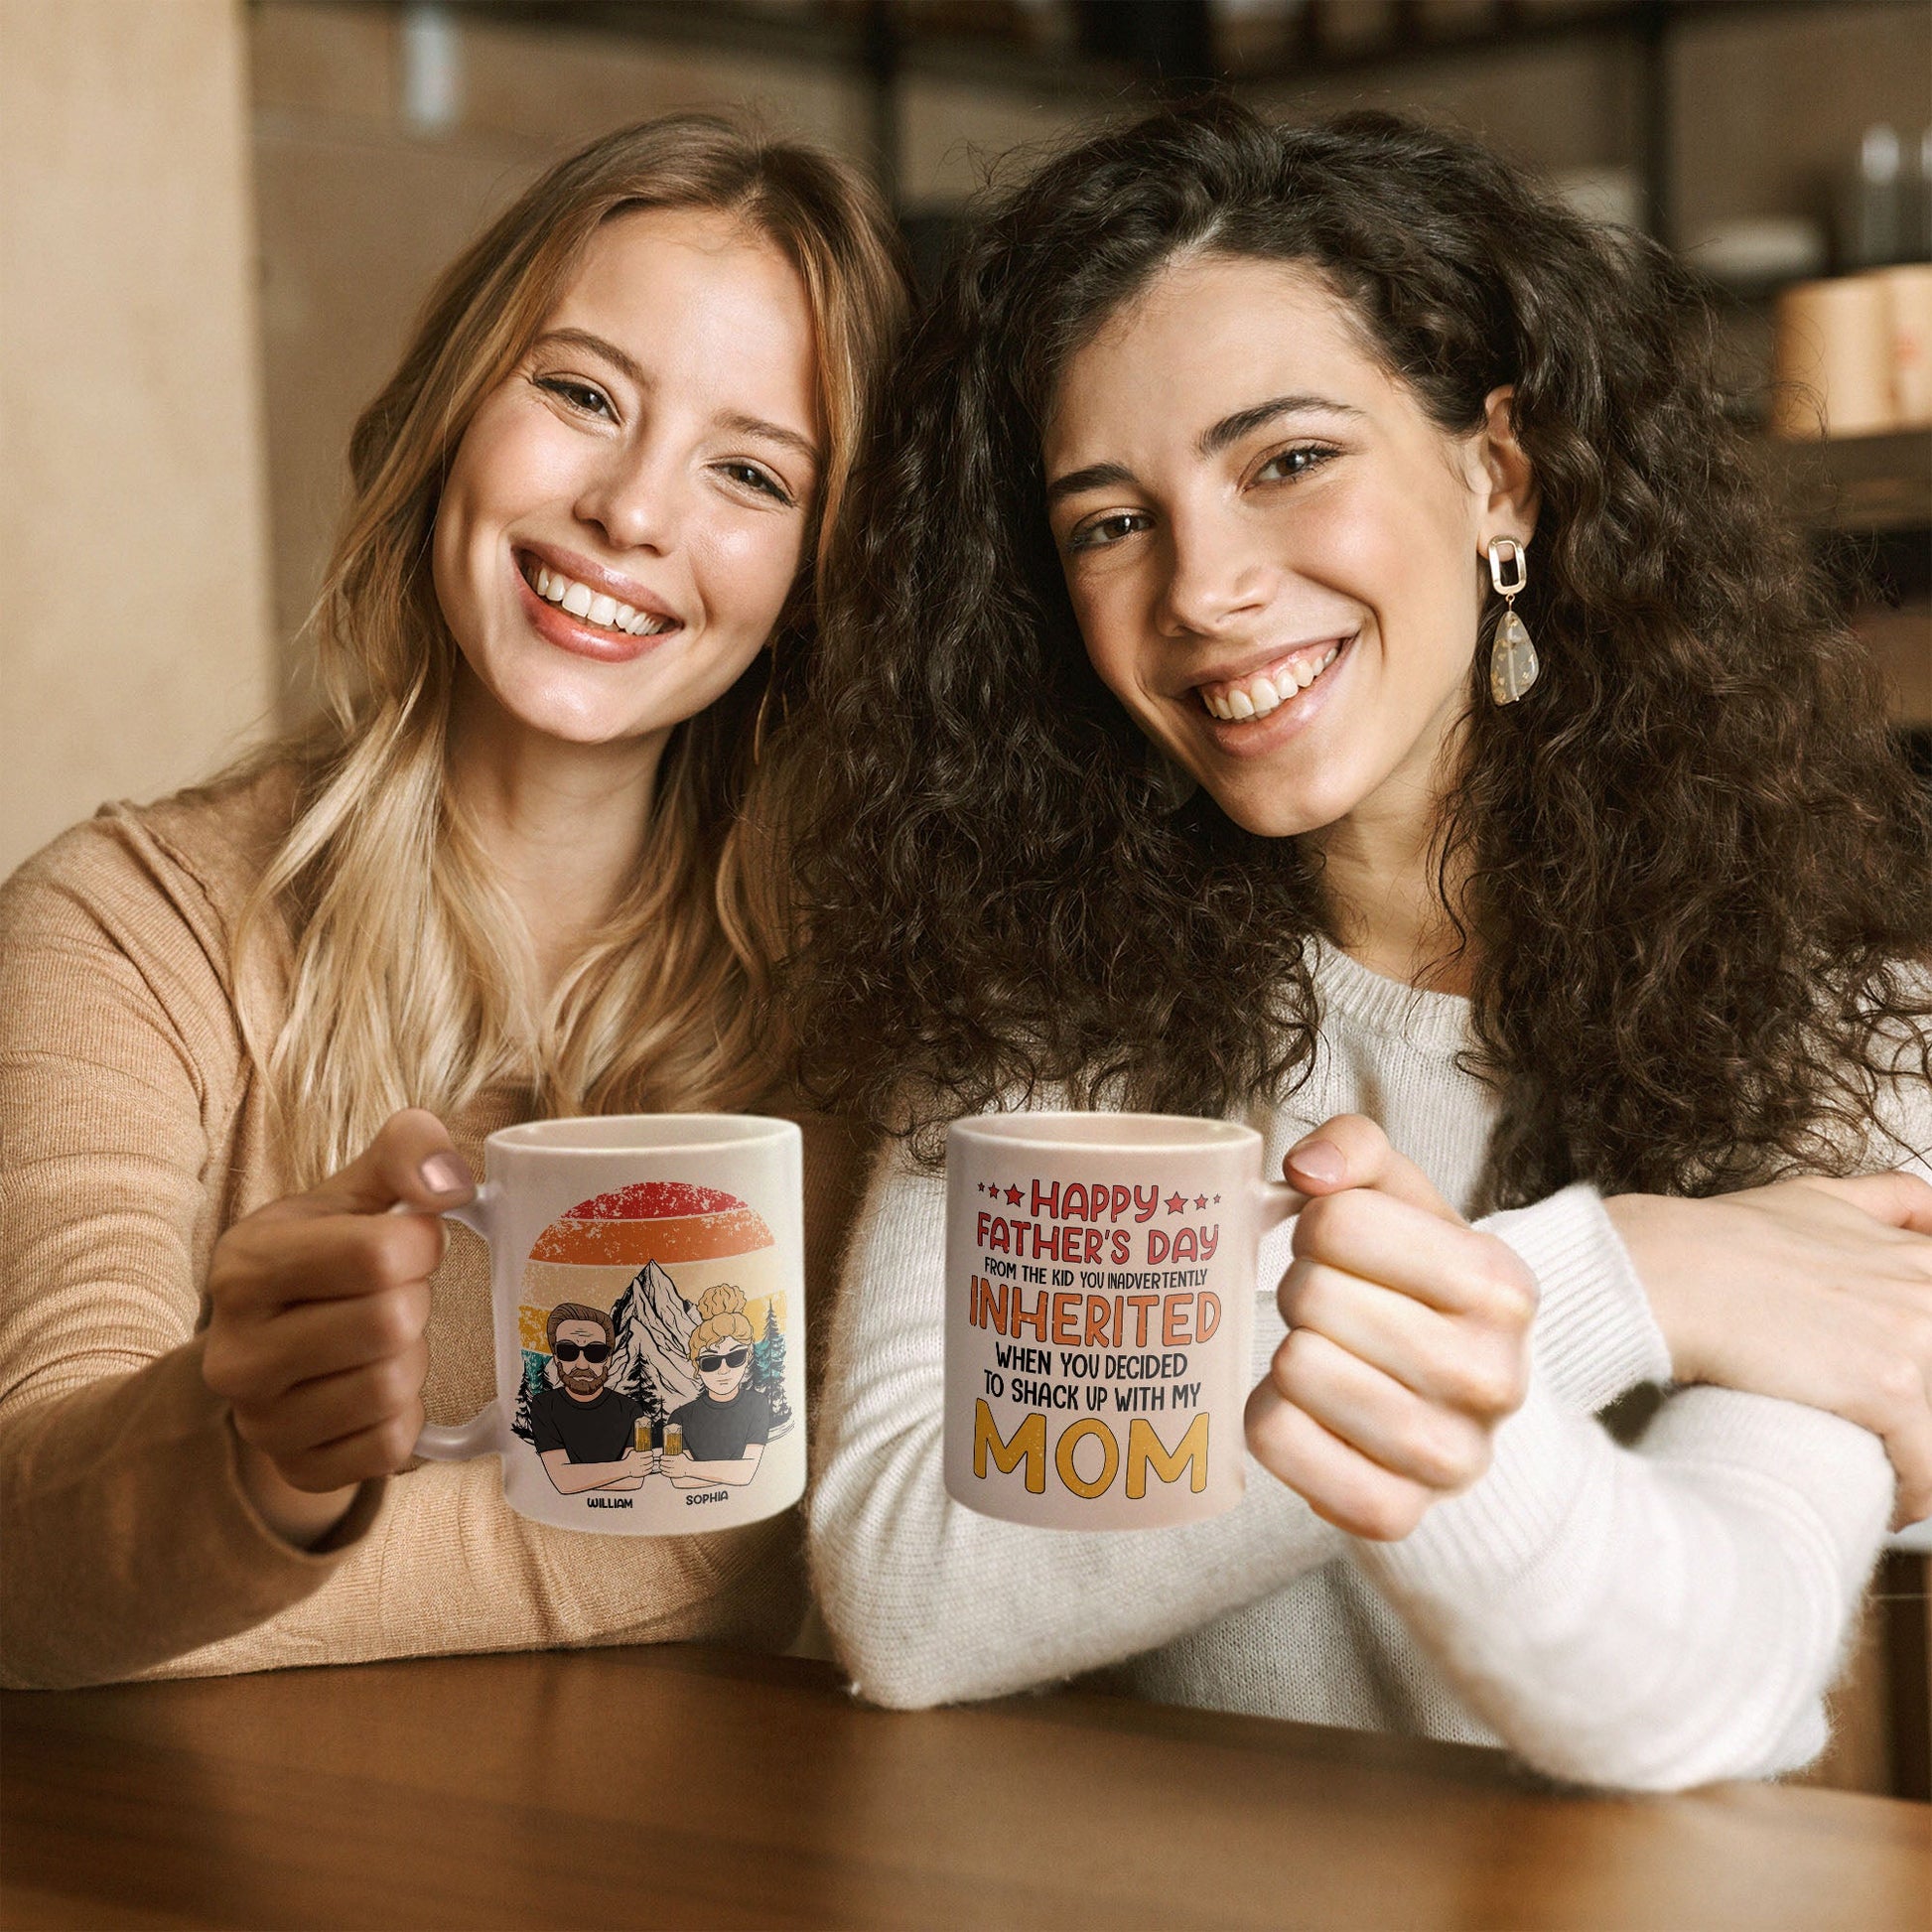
point(483, 1434)
point(1279, 1202)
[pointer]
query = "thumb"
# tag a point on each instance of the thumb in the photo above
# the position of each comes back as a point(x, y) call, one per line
point(1350, 1151)
point(411, 1163)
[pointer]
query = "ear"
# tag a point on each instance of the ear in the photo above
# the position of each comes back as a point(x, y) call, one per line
point(1505, 483)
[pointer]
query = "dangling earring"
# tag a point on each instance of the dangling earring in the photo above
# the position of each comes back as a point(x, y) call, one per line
point(1513, 665)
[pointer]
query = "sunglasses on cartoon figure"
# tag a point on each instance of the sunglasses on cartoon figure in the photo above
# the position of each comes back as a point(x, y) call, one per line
point(592, 1352)
point(710, 1364)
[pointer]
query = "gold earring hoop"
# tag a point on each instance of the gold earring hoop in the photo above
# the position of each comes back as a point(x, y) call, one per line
point(1513, 662)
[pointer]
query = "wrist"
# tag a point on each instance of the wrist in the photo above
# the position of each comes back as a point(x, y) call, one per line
point(1662, 1254)
point(301, 1517)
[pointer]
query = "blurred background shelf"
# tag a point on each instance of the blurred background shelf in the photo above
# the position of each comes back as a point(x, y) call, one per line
point(1863, 484)
point(1868, 500)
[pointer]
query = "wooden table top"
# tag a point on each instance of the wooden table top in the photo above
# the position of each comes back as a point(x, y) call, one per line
point(674, 1786)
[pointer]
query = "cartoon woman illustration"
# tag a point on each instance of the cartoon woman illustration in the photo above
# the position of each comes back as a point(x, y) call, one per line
point(727, 1425)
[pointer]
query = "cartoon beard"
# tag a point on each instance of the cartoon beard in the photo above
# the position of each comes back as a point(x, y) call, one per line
point(582, 1381)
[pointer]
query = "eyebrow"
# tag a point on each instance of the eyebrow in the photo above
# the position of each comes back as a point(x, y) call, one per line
point(632, 372)
point(1096, 476)
point(1210, 443)
point(1244, 422)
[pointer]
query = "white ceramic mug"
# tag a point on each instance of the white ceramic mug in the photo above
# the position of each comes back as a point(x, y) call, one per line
point(648, 1286)
point(1100, 1291)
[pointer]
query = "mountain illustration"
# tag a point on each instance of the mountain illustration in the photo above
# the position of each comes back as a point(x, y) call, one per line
point(654, 1323)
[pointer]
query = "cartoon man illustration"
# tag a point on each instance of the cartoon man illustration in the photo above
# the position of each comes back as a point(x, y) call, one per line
point(726, 1427)
point(582, 1430)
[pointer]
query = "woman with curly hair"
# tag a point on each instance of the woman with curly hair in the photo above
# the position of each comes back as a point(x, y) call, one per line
point(520, 866)
point(1318, 653)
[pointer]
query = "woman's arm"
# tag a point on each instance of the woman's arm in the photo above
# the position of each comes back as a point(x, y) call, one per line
point(1655, 1619)
point(1651, 1620)
point(129, 1534)
point(1816, 1290)
point(928, 1601)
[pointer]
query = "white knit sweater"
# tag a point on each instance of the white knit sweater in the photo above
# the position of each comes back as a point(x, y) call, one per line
point(1648, 1617)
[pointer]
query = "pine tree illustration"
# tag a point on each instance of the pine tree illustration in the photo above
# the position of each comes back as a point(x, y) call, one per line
point(768, 1366)
point(520, 1423)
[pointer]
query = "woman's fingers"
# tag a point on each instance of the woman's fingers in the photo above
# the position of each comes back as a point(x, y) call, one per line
point(1480, 1372)
point(318, 1306)
point(266, 1264)
point(1440, 1448)
point(412, 1160)
point(378, 1450)
point(1447, 1264)
point(1341, 1484)
point(327, 1408)
point(1349, 1151)
point(258, 1362)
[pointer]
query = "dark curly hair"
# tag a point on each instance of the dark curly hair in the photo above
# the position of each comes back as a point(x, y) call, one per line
point(1697, 870)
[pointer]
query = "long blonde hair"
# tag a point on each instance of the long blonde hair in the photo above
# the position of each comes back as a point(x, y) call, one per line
point(412, 981)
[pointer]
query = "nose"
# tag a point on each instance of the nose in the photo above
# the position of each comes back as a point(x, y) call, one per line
point(1217, 575)
point(636, 498)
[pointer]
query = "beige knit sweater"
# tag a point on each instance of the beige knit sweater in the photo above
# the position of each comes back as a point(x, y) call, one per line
point(133, 1131)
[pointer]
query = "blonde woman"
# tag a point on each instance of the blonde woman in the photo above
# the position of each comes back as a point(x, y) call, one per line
point(726, 1425)
point(516, 869)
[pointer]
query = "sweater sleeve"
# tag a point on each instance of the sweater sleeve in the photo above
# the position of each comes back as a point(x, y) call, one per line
point(928, 1601)
point(1595, 1337)
point(1654, 1617)
point(128, 1536)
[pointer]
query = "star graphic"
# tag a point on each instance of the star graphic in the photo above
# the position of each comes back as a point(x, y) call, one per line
point(1200, 1200)
point(1013, 1196)
point(1175, 1203)
point(1217, 1201)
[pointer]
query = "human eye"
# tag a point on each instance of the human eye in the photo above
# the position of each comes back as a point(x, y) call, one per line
point(754, 476)
point(1286, 465)
point(1110, 527)
point(584, 397)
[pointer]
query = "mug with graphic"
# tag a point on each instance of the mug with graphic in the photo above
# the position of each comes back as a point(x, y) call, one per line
point(1100, 1301)
point(648, 1280)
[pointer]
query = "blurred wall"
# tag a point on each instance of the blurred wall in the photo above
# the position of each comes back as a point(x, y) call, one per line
point(136, 653)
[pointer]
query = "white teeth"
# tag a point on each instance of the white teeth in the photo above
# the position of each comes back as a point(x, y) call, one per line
point(1260, 694)
point(594, 607)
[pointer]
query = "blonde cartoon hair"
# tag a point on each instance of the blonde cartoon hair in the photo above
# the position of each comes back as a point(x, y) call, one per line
point(411, 980)
point(721, 1318)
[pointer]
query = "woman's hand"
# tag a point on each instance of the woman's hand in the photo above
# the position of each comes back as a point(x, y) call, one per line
point(1815, 1290)
point(316, 1310)
point(1408, 1339)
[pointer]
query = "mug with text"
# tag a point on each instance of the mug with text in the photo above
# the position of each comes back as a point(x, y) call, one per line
point(1100, 1290)
point(647, 1283)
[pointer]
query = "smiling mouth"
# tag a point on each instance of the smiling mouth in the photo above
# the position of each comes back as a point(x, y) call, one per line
point(596, 609)
point(1258, 693)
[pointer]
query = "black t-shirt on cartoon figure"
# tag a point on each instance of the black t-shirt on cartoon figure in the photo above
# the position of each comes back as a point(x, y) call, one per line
point(587, 1432)
point(721, 1432)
